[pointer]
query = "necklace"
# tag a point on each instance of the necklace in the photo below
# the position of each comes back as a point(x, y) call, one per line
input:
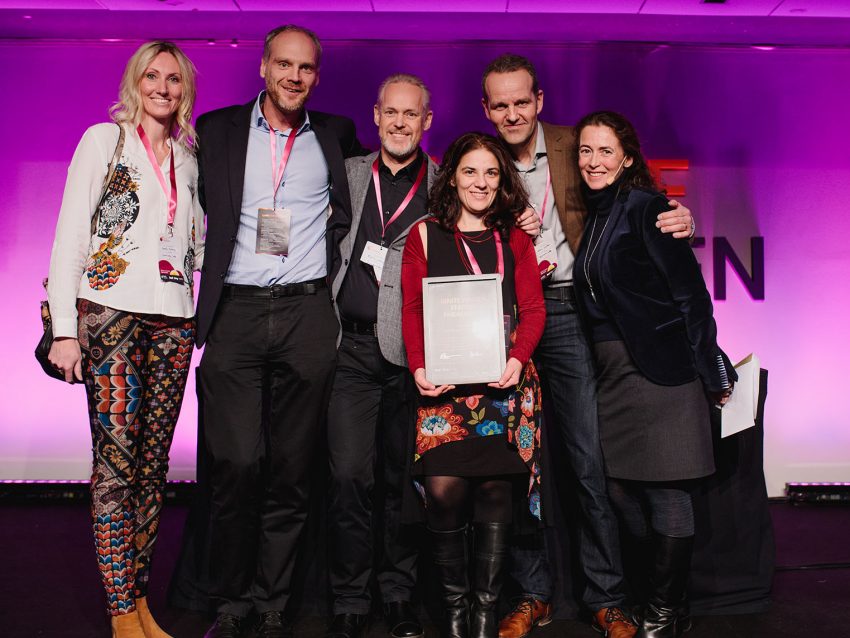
point(593, 247)
point(477, 239)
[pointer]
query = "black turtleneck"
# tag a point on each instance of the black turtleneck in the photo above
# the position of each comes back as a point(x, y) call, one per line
point(599, 204)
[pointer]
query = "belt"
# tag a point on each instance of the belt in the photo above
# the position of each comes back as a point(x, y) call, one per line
point(273, 292)
point(560, 293)
point(370, 329)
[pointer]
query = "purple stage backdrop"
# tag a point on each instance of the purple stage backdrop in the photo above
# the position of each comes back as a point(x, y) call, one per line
point(764, 132)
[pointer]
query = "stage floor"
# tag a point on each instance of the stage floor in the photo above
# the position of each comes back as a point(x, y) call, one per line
point(49, 584)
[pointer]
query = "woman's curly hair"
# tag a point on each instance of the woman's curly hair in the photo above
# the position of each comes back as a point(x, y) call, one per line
point(511, 197)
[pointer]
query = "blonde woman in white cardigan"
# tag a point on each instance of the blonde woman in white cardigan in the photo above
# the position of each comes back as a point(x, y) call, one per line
point(120, 291)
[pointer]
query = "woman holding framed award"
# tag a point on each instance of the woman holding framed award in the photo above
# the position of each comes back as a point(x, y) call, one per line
point(474, 443)
point(651, 322)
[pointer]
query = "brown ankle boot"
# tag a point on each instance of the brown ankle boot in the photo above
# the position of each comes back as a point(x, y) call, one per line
point(127, 626)
point(151, 629)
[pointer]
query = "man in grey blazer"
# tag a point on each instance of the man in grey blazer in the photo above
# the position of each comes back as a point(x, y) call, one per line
point(373, 398)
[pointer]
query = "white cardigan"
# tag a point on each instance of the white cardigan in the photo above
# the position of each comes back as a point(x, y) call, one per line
point(119, 266)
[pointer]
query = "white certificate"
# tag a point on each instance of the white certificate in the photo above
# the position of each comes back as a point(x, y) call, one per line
point(464, 329)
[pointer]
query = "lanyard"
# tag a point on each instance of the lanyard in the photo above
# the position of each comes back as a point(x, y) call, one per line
point(500, 258)
point(407, 199)
point(546, 194)
point(172, 197)
point(277, 171)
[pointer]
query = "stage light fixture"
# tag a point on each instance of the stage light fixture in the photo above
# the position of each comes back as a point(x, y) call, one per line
point(818, 492)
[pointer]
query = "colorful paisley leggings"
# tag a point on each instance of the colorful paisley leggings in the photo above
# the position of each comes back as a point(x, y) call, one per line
point(135, 368)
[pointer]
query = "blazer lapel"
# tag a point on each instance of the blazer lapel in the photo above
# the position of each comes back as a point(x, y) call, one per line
point(237, 152)
point(360, 183)
point(564, 183)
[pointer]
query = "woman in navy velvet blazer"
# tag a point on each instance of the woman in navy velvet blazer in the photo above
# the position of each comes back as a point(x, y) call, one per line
point(649, 315)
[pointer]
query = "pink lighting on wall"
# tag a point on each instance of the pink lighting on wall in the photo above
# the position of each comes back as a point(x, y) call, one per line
point(748, 124)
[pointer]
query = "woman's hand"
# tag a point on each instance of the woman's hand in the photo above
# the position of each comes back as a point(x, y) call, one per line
point(426, 388)
point(529, 222)
point(722, 398)
point(510, 377)
point(65, 355)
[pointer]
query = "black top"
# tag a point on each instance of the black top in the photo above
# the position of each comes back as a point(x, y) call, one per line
point(600, 322)
point(358, 296)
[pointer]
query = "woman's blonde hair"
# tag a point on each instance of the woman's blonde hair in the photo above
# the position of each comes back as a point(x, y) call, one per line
point(128, 109)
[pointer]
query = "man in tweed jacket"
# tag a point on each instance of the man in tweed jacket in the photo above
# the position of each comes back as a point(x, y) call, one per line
point(374, 399)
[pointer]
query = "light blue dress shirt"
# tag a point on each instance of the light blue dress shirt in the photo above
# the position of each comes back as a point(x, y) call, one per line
point(305, 190)
point(534, 176)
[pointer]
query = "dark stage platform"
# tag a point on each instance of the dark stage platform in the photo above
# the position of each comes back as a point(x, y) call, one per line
point(49, 583)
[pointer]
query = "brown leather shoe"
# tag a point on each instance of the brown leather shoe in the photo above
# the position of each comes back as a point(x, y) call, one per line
point(525, 616)
point(612, 622)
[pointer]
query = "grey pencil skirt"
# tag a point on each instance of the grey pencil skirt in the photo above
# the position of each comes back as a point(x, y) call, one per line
point(650, 432)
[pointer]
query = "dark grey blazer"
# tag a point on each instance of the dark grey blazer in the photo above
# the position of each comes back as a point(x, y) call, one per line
point(359, 173)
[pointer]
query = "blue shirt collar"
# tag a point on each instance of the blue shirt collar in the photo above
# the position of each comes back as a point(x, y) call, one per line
point(259, 121)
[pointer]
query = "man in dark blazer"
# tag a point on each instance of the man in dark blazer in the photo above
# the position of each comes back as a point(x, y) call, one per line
point(373, 402)
point(545, 156)
point(269, 170)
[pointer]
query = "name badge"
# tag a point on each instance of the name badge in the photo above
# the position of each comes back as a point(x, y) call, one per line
point(374, 255)
point(273, 226)
point(170, 257)
point(547, 256)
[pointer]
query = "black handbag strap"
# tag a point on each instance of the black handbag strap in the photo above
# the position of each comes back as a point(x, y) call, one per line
point(119, 148)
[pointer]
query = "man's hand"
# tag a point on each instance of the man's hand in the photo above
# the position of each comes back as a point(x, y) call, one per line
point(677, 221)
point(510, 377)
point(529, 222)
point(65, 356)
point(426, 388)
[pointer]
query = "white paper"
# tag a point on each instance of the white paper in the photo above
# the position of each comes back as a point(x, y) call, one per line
point(375, 256)
point(547, 256)
point(741, 410)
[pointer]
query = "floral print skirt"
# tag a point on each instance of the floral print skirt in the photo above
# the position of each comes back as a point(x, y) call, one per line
point(455, 419)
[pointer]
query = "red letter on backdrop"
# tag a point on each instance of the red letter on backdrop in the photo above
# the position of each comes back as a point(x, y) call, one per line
point(658, 165)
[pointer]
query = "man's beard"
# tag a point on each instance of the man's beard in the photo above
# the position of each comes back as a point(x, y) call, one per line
point(271, 92)
point(402, 154)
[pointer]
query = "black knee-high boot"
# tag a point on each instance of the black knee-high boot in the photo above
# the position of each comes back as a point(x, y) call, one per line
point(490, 546)
point(638, 562)
point(666, 614)
point(451, 563)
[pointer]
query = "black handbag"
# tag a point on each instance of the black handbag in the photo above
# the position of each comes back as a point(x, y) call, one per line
point(42, 350)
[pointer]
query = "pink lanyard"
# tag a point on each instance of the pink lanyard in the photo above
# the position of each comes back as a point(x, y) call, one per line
point(172, 198)
point(546, 194)
point(500, 258)
point(408, 198)
point(277, 171)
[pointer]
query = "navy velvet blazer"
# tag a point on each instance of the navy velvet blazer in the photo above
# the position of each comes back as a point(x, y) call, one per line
point(655, 292)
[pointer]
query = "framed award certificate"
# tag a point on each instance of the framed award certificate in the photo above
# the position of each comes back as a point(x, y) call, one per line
point(464, 329)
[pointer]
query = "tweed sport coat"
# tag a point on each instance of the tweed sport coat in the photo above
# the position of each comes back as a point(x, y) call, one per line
point(359, 173)
point(563, 166)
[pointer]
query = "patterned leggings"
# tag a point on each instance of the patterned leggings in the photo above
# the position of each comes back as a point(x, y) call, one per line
point(135, 368)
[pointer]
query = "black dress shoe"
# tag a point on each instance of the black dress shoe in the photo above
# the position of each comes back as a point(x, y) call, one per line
point(402, 621)
point(225, 626)
point(347, 626)
point(272, 626)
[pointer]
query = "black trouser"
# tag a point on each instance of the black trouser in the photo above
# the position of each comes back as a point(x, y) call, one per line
point(370, 422)
point(278, 353)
